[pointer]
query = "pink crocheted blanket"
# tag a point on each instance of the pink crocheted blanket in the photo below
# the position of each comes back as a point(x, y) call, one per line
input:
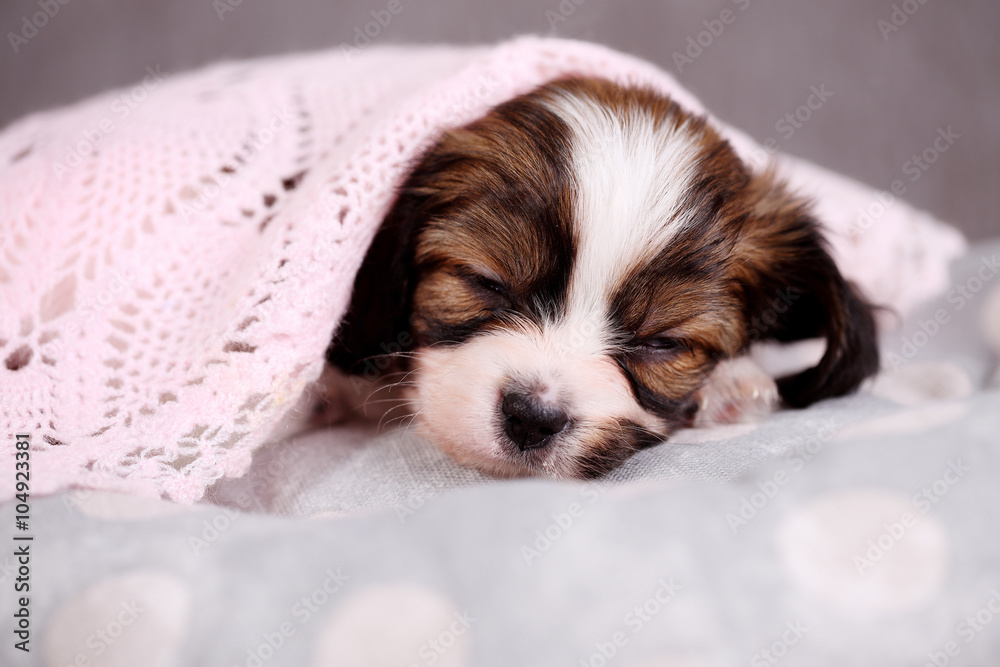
point(176, 255)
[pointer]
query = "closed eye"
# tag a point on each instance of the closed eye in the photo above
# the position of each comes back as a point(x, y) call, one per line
point(493, 292)
point(663, 347)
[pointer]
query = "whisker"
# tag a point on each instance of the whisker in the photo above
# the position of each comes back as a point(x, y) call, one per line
point(386, 413)
point(402, 417)
point(401, 383)
point(385, 400)
point(412, 421)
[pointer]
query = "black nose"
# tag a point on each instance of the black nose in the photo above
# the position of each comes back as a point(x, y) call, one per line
point(528, 422)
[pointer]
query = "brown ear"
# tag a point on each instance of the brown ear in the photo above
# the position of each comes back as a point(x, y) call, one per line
point(377, 322)
point(794, 291)
point(376, 326)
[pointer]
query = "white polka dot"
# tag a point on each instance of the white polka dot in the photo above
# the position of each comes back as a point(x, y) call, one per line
point(921, 381)
point(868, 552)
point(120, 507)
point(990, 318)
point(395, 625)
point(698, 436)
point(132, 619)
point(904, 422)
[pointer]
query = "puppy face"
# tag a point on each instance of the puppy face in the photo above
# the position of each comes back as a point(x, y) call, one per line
point(573, 266)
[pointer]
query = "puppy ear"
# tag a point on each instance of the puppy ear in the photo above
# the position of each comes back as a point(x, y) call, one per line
point(377, 323)
point(795, 291)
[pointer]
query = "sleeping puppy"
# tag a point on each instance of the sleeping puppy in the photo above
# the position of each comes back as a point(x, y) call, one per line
point(582, 271)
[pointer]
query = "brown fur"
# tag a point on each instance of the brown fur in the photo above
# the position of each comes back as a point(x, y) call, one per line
point(482, 237)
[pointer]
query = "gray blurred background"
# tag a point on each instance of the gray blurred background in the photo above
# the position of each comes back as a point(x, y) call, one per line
point(929, 65)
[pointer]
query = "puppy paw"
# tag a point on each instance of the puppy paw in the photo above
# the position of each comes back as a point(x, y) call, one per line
point(339, 398)
point(334, 399)
point(737, 391)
